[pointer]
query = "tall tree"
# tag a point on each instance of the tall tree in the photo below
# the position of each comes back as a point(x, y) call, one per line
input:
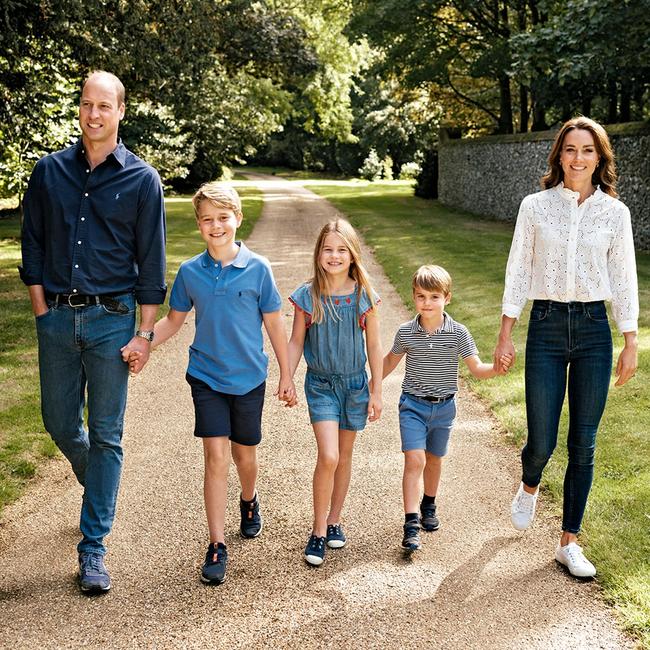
point(460, 45)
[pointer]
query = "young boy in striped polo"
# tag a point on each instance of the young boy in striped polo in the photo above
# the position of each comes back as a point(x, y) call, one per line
point(432, 342)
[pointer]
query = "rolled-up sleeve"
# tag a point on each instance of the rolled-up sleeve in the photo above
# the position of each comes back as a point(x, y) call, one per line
point(621, 267)
point(32, 236)
point(520, 262)
point(150, 288)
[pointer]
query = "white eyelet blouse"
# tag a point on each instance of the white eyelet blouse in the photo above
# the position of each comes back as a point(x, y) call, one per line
point(568, 252)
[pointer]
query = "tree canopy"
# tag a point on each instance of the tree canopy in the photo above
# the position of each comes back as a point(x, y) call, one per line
point(313, 83)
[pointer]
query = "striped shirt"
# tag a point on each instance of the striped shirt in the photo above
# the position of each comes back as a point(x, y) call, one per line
point(432, 359)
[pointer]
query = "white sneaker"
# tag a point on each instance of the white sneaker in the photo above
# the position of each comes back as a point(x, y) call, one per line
point(522, 511)
point(575, 561)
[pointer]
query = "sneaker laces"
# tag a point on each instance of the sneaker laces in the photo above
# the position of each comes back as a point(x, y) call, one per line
point(574, 551)
point(92, 561)
point(525, 502)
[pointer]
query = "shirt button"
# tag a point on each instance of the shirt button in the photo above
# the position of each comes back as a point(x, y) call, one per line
point(74, 291)
point(79, 242)
point(83, 218)
point(86, 194)
point(76, 266)
point(88, 171)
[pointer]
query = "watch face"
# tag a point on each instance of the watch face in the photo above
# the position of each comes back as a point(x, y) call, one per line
point(145, 335)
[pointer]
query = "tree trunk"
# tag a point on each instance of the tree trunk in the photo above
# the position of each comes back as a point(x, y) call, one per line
point(626, 98)
point(505, 108)
point(524, 112)
point(539, 110)
point(612, 94)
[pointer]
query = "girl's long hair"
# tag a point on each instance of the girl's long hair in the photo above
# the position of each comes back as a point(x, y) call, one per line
point(604, 175)
point(319, 283)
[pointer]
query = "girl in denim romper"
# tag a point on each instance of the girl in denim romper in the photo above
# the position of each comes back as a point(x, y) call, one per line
point(332, 313)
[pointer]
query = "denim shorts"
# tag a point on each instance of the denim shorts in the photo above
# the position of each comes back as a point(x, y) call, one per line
point(339, 398)
point(426, 425)
point(239, 417)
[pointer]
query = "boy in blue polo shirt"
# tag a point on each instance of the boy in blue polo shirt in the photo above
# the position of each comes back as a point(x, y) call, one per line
point(233, 293)
point(432, 343)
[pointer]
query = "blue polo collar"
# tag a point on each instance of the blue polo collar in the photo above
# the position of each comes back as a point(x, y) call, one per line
point(241, 259)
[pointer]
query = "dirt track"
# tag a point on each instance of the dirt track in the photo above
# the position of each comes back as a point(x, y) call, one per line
point(477, 583)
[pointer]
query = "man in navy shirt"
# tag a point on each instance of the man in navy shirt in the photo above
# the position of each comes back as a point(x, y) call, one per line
point(93, 244)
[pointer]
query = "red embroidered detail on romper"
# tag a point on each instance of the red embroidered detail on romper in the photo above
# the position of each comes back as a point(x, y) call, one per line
point(336, 301)
point(348, 300)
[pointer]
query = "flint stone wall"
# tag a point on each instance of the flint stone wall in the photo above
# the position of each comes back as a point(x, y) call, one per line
point(491, 175)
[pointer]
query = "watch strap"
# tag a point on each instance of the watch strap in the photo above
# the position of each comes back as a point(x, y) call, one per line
point(145, 334)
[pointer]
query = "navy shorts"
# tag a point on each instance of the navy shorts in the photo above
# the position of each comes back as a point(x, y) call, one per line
point(220, 414)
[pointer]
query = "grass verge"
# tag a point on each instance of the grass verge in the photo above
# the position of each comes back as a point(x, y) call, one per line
point(404, 232)
point(24, 444)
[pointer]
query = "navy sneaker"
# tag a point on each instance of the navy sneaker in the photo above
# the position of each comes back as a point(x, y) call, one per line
point(335, 536)
point(411, 540)
point(251, 520)
point(93, 576)
point(315, 550)
point(428, 519)
point(214, 567)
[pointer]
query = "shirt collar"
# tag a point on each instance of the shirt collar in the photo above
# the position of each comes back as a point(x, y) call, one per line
point(241, 259)
point(446, 324)
point(119, 153)
point(570, 195)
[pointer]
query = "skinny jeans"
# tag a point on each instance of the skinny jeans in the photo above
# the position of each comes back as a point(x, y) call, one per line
point(566, 341)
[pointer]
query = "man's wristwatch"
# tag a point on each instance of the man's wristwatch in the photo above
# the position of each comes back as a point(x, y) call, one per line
point(145, 334)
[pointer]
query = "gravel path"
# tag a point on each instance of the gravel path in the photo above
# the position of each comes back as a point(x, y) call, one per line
point(477, 583)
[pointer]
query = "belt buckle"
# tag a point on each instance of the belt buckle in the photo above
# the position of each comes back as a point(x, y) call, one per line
point(71, 296)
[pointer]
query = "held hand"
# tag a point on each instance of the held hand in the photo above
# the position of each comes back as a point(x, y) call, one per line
point(504, 350)
point(286, 392)
point(374, 408)
point(135, 362)
point(626, 365)
point(139, 345)
point(503, 365)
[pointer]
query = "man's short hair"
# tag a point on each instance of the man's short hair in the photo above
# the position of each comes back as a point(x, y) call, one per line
point(119, 86)
point(431, 277)
point(220, 194)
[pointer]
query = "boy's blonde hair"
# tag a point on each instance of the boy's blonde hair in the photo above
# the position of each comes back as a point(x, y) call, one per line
point(319, 284)
point(220, 194)
point(431, 277)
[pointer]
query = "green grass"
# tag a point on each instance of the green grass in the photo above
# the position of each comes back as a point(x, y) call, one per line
point(405, 232)
point(24, 444)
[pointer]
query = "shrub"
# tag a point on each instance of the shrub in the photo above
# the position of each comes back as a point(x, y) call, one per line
point(372, 167)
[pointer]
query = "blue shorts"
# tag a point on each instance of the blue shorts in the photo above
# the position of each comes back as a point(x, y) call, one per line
point(339, 398)
point(426, 425)
point(239, 417)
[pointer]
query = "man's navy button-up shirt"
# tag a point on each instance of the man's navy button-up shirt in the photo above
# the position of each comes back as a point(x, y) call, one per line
point(95, 231)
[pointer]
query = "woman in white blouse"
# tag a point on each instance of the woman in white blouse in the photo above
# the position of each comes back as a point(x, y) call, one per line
point(572, 249)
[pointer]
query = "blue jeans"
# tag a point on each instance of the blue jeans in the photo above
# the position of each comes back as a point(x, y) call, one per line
point(575, 336)
point(79, 352)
